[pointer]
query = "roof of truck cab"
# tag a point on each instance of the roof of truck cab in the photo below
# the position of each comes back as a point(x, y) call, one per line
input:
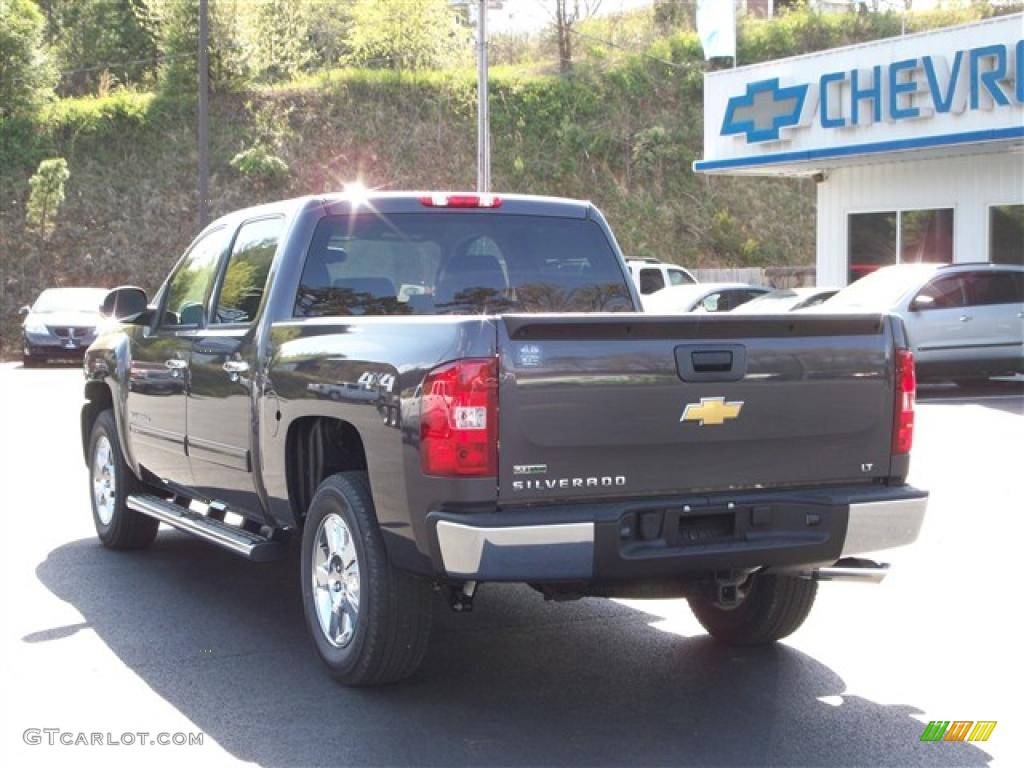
point(391, 202)
point(411, 202)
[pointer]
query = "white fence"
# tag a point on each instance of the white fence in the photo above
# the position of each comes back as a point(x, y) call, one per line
point(776, 277)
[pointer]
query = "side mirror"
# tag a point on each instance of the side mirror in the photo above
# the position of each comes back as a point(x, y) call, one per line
point(25, 310)
point(124, 303)
point(922, 301)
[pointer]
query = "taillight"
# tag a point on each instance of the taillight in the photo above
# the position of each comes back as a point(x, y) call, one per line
point(906, 389)
point(441, 200)
point(459, 419)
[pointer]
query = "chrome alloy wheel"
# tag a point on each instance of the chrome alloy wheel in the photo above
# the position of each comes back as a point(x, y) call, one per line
point(104, 482)
point(336, 581)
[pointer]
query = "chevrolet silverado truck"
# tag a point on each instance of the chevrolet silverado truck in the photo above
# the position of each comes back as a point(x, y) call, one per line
point(431, 391)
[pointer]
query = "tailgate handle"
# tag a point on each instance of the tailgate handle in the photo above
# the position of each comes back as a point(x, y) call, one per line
point(711, 362)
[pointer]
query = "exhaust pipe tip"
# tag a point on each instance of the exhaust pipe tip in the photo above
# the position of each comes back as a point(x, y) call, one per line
point(852, 569)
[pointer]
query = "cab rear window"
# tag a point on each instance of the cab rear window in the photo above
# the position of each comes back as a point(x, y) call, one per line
point(459, 263)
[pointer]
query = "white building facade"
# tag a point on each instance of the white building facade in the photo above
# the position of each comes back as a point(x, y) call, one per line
point(916, 142)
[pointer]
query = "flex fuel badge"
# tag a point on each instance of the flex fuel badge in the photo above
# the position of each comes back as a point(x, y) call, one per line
point(529, 469)
point(529, 356)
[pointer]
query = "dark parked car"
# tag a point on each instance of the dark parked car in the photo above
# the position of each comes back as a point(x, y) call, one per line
point(340, 370)
point(60, 324)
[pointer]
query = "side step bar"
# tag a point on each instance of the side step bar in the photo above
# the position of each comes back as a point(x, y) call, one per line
point(853, 569)
point(229, 537)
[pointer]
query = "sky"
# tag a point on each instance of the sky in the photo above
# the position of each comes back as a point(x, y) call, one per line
point(532, 15)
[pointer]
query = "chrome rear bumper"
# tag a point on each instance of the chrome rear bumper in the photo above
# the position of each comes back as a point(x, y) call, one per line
point(544, 551)
point(605, 541)
point(878, 525)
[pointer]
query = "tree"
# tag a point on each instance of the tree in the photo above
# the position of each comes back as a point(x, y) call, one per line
point(405, 34)
point(93, 41)
point(46, 193)
point(567, 14)
point(26, 75)
point(281, 29)
point(179, 44)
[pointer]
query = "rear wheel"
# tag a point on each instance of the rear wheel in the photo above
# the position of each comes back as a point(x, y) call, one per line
point(111, 482)
point(369, 621)
point(773, 607)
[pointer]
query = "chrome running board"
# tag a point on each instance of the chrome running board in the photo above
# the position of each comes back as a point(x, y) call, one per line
point(230, 537)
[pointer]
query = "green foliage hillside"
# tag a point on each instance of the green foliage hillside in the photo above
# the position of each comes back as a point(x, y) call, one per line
point(621, 130)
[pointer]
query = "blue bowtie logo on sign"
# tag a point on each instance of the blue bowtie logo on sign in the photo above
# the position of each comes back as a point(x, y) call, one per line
point(764, 110)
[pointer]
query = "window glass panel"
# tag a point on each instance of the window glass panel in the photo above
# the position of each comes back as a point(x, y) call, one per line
point(995, 287)
point(926, 236)
point(871, 244)
point(949, 292)
point(678, 277)
point(189, 288)
point(445, 263)
point(711, 303)
point(1006, 234)
point(248, 266)
point(651, 280)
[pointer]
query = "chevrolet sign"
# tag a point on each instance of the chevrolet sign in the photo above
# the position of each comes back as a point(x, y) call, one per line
point(986, 77)
point(960, 85)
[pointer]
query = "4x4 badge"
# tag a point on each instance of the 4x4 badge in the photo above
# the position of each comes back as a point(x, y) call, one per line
point(711, 411)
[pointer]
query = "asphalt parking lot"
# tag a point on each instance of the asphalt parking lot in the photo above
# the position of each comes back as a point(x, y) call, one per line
point(186, 638)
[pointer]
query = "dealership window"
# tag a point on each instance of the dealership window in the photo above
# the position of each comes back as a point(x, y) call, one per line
point(898, 237)
point(1006, 234)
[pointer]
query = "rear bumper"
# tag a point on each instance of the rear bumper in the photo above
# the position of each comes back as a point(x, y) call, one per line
point(610, 542)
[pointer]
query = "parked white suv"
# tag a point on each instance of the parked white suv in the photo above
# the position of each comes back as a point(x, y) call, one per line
point(651, 275)
point(964, 321)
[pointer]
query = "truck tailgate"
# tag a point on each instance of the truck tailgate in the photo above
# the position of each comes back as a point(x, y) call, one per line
point(607, 405)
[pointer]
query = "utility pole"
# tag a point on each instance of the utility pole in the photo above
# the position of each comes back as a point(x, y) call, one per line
point(203, 137)
point(483, 132)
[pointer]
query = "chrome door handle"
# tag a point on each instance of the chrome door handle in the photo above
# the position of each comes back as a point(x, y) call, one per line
point(176, 364)
point(236, 366)
point(965, 318)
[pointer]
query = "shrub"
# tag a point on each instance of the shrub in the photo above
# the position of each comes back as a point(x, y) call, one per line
point(46, 193)
point(261, 166)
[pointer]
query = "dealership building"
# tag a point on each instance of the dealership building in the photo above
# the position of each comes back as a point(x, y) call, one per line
point(916, 143)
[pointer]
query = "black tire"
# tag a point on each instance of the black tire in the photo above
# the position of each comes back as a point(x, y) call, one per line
point(126, 529)
point(774, 607)
point(28, 361)
point(395, 608)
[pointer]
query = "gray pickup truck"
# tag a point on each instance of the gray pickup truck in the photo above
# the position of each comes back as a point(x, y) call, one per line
point(430, 391)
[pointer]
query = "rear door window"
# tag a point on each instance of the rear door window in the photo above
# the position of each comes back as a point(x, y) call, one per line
point(678, 277)
point(994, 287)
point(458, 263)
point(245, 278)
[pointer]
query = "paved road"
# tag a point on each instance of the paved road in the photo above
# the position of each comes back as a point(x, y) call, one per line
point(184, 637)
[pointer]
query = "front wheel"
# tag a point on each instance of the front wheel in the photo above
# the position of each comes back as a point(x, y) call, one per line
point(370, 622)
point(111, 482)
point(773, 607)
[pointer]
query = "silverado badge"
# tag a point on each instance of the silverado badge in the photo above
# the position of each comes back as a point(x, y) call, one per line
point(711, 411)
